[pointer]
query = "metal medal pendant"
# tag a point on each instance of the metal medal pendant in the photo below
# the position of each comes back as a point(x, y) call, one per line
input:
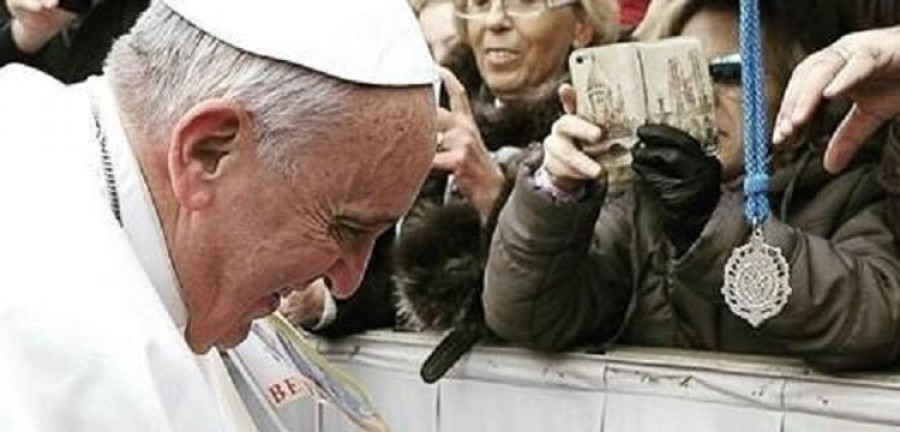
point(756, 280)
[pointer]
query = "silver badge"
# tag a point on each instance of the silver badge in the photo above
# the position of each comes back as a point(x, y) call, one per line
point(756, 280)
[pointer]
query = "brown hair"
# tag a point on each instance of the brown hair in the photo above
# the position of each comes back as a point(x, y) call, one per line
point(783, 49)
point(783, 45)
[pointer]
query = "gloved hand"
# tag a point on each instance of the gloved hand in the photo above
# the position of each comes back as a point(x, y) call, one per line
point(685, 182)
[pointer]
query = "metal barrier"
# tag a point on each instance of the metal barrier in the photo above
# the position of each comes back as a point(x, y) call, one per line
point(627, 389)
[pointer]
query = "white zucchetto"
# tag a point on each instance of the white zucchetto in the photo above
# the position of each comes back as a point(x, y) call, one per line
point(375, 42)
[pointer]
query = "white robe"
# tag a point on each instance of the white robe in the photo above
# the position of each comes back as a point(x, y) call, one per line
point(91, 319)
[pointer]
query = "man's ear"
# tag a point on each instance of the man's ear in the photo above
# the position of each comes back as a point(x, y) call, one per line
point(204, 143)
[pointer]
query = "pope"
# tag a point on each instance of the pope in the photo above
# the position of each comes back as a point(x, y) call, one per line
point(228, 154)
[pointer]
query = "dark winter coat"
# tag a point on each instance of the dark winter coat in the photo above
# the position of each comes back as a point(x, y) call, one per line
point(592, 272)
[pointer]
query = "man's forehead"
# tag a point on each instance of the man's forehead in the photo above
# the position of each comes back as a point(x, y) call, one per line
point(368, 182)
point(370, 167)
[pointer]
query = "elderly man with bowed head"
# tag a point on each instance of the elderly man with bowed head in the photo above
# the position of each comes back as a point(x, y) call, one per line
point(504, 67)
point(226, 155)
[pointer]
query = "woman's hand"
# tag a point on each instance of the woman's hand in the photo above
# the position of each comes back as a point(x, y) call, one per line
point(461, 151)
point(571, 149)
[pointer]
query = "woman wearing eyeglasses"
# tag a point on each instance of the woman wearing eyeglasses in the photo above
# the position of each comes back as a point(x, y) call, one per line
point(571, 266)
point(514, 56)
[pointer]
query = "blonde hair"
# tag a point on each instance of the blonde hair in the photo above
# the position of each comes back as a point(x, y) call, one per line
point(601, 15)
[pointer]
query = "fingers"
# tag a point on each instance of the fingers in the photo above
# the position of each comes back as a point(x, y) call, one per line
point(459, 101)
point(562, 156)
point(448, 120)
point(860, 66)
point(577, 128)
point(838, 70)
point(448, 160)
point(567, 98)
point(854, 130)
point(458, 138)
point(305, 304)
point(804, 92)
point(455, 144)
point(445, 120)
point(816, 77)
point(461, 155)
point(562, 159)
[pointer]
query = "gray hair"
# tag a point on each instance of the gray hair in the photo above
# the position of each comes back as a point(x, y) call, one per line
point(165, 65)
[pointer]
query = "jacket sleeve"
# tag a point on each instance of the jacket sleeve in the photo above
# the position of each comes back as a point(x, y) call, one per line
point(550, 281)
point(844, 308)
point(844, 311)
point(889, 178)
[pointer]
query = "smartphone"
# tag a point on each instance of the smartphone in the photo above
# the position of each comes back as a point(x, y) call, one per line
point(623, 86)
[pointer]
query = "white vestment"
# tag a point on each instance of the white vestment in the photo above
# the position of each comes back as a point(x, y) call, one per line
point(91, 319)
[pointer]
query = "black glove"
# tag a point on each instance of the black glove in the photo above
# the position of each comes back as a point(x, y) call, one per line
point(685, 182)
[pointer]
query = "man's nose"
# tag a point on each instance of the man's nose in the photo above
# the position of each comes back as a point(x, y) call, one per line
point(347, 272)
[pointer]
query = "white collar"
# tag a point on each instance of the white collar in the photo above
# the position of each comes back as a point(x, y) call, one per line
point(139, 217)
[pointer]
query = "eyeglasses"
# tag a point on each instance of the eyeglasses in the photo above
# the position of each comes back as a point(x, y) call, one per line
point(479, 9)
point(726, 69)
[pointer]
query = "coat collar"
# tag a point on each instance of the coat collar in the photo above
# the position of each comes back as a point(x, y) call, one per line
point(139, 218)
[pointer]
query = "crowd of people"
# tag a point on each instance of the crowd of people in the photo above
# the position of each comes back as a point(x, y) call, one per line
point(645, 268)
point(490, 217)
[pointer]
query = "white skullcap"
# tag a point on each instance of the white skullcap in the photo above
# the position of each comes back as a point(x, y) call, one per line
point(374, 42)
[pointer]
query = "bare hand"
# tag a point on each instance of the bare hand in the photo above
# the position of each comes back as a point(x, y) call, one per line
point(572, 146)
point(461, 150)
point(304, 306)
point(36, 21)
point(863, 67)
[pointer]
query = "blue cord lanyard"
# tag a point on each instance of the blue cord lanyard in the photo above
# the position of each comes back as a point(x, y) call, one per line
point(756, 283)
point(756, 143)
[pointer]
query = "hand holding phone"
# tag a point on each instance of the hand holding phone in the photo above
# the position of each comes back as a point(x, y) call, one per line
point(621, 87)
